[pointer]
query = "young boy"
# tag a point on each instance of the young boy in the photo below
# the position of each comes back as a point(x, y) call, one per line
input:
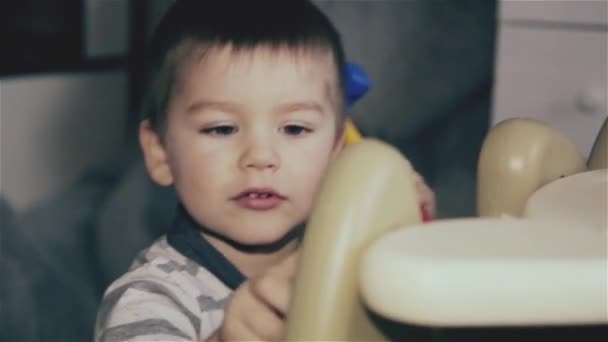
point(243, 115)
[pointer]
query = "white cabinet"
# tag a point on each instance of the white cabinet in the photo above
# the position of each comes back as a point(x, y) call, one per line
point(552, 65)
point(584, 12)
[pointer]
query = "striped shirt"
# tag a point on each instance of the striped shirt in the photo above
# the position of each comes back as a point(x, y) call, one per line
point(175, 290)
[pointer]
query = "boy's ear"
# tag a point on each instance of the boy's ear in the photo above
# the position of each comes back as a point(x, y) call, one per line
point(155, 154)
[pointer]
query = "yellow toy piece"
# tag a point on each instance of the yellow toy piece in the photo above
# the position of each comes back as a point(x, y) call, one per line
point(351, 133)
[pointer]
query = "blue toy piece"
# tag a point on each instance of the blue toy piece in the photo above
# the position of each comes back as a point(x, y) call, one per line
point(357, 83)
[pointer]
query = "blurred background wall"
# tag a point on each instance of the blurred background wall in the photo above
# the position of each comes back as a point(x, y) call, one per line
point(64, 93)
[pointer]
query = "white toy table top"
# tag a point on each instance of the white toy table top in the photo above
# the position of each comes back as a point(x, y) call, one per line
point(488, 272)
point(580, 198)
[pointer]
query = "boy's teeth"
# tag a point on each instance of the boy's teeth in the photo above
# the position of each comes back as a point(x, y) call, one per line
point(257, 195)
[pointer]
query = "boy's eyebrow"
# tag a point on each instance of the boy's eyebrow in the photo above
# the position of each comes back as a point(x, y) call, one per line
point(218, 105)
point(300, 106)
point(230, 107)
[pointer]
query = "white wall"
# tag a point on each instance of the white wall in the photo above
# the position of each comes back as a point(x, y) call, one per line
point(53, 127)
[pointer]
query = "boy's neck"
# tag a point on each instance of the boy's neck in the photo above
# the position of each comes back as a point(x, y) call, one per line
point(249, 263)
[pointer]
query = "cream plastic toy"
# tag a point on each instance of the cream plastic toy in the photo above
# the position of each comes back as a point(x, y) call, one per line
point(598, 158)
point(521, 155)
point(488, 272)
point(365, 248)
point(527, 168)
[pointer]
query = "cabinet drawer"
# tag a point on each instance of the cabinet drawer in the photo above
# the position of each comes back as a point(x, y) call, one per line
point(557, 76)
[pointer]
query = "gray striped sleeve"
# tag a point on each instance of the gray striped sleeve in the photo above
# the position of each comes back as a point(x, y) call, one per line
point(142, 328)
point(206, 303)
point(112, 298)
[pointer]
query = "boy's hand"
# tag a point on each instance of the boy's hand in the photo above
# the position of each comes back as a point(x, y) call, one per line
point(426, 195)
point(257, 309)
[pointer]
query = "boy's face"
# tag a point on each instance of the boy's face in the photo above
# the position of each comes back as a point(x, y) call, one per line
point(248, 139)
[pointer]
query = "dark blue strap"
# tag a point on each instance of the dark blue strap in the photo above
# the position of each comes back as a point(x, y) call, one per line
point(185, 236)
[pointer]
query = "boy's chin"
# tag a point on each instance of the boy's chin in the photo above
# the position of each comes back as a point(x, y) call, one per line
point(264, 242)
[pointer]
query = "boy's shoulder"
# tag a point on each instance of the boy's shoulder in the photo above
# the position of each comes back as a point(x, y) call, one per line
point(192, 298)
point(160, 249)
point(162, 264)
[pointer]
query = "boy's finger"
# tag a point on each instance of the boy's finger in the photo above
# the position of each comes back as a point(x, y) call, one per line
point(287, 267)
point(264, 324)
point(241, 332)
point(274, 289)
point(249, 318)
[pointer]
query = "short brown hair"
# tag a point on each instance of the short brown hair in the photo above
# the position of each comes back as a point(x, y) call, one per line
point(244, 24)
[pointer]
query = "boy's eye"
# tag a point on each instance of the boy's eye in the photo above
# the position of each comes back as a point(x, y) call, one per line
point(296, 130)
point(219, 130)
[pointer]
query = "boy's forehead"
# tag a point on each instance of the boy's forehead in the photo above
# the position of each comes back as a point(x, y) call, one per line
point(315, 63)
point(228, 58)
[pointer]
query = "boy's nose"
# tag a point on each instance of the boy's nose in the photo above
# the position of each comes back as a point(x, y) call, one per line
point(259, 157)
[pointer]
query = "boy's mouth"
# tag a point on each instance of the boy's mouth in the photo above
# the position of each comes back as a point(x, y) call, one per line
point(259, 199)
